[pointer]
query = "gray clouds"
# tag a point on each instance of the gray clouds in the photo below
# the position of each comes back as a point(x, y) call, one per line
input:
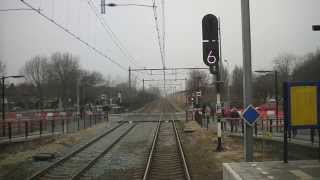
point(277, 26)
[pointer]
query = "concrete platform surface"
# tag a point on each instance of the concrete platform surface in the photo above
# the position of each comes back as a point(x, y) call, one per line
point(277, 170)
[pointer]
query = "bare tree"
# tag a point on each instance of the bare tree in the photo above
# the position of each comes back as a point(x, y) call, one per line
point(237, 86)
point(35, 70)
point(263, 86)
point(284, 64)
point(89, 85)
point(225, 78)
point(64, 71)
point(197, 80)
point(308, 69)
point(92, 78)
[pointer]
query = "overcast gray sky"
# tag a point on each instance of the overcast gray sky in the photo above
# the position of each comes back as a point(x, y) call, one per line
point(278, 26)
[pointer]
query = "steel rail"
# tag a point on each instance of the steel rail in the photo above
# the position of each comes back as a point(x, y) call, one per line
point(68, 156)
point(155, 139)
point(166, 107)
point(78, 174)
point(183, 159)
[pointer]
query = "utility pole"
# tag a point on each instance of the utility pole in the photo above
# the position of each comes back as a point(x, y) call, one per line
point(103, 6)
point(247, 76)
point(3, 102)
point(78, 98)
point(3, 109)
point(229, 84)
point(142, 85)
point(275, 95)
point(185, 91)
point(276, 98)
point(229, 95)
point(198, 90)
point(129, 77)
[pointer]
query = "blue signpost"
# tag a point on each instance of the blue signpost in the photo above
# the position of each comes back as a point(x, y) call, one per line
point(250, 115)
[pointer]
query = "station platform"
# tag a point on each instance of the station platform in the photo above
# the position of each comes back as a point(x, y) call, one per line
point(269, 170)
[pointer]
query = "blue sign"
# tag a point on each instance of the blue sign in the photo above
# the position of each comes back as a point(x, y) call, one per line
point(250, 115)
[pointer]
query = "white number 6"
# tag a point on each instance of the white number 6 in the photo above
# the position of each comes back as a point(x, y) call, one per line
point(211, 59)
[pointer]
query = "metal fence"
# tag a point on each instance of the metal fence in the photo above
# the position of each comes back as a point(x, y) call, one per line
point(271, 127)
point(35, 125)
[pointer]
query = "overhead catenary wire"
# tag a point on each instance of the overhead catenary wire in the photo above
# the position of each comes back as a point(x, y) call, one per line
point(113, 36)
point(75, 36)
point(17, 9)
point(158, 32)
point(40, 4)
point(159, 42)
point(163, 40)
point(130, 4)
point(52, 9)
point(163, 31)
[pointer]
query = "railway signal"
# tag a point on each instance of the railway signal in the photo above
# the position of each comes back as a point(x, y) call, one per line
point(210, 42)
point(211, 56)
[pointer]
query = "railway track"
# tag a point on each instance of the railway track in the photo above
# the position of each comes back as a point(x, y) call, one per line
point(166, 158)
point(73, 165)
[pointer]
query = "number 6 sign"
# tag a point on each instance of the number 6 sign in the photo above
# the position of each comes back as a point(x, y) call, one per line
point(211, 59)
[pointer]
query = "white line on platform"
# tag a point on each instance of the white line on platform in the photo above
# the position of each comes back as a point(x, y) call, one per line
point(235, 175)
point(301, 174)
point(270, 177)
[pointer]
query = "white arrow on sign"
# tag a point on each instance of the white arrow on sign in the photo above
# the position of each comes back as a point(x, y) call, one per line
point(211, 59)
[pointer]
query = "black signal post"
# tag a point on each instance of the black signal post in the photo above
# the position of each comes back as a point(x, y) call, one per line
point(211, 57)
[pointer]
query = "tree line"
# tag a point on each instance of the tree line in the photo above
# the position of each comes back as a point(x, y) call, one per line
point(59, 79)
